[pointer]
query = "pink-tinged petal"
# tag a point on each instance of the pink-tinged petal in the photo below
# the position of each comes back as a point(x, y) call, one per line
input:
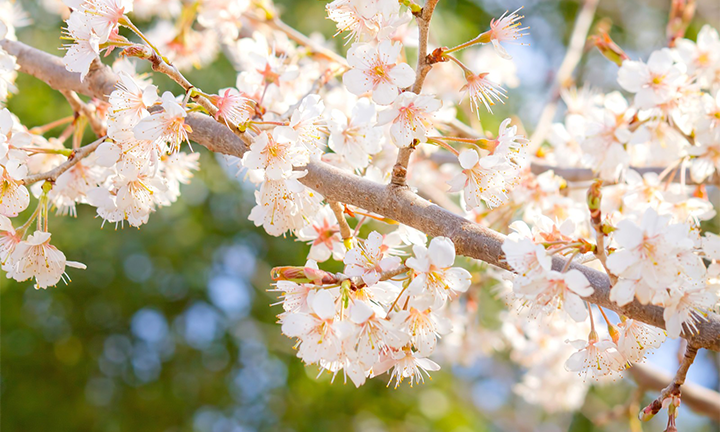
point(623, 292)
point(361, 56)
point(385, 93)
point(457, 183)
point(402, 75)
point(323, 304)
point(628, 234)
point(458, 279)
point(402, 134)
point(578, 283)
point(297, 324)
point(388, 52)
point(501, 50)
point(468, 158)
point(390, 263)
point(660, 61)
point(38, 238)
point(361, 312)
point(630, 75)
point(575, 307)
point(442, 252)
point(418, 284)
point(357, 82)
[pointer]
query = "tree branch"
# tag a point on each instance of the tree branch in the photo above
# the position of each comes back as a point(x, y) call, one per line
point(423, 18)
point(673, 389)
point(345, 231)
point(88, 111)
point(699, 399)
point(400, 204)
point(73, 159)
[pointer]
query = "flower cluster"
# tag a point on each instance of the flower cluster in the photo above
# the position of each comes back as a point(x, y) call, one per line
point(366, 321)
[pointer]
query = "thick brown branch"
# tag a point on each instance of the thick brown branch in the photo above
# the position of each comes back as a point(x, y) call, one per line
point(400, 204)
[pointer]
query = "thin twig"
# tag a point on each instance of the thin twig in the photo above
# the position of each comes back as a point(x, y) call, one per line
point(700, 399)
point(305, 41)
point(345, 231)
point(88, 111)
point(399, 173)
point(673, 389)
point(74, 158)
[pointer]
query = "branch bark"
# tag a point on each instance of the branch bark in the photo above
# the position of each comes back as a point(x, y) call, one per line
point(398, 203)
point(673, 389)
point(423, 67)
point(73, 159)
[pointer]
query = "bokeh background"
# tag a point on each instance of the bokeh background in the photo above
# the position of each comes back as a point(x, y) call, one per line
point(171, 327)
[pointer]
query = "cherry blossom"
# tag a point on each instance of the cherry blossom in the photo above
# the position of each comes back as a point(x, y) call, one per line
point(233, 107)
point(636, 339)
point(273, 156)
point(410, 117)
point(654, 256)
point(376, 69)
point(483, 179)
point(595, 358)
point(506, 29)
point(284, 205)
point(130, 101)
point(686, 308)
point(405, 365)
point(434, 274)
point(36, 258)
point(557, 290)
point(8, 72)
point(165, 126)
point(480, 90)
point(655, 82)
point(323, 234)
point(355, 138)
point(368, 260)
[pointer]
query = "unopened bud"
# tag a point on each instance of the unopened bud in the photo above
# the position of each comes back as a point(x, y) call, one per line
point(614, 333)
point(700, 192)
point(681, 13)
point(303, 275)
point(139, 51)
point(607, 228)
point(609, 48)
point(646, 414)
point(593, 336)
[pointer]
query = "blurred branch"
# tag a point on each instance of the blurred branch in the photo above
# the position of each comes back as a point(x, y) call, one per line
point(305, 41)
point(397, 203)
point(563, 79)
